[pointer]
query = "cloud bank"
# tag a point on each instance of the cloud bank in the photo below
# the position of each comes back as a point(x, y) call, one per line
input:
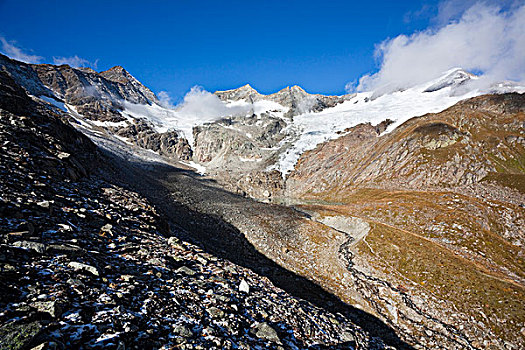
point(486, 40)
point(198, 107)
point(165, 99)
point(75, 61)
point(10, 49)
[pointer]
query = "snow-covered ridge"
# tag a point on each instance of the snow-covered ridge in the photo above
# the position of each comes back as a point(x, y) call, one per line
point(432, 97)
point(307, 119)
point(307, 130)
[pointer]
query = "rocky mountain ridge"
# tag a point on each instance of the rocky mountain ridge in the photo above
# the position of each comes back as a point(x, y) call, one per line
point(97, 100)
point(294, 98)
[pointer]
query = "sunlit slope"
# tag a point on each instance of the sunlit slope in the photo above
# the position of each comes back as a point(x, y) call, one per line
point(443, 195)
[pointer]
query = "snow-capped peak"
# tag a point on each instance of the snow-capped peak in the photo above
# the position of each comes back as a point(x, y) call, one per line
point(453, 77)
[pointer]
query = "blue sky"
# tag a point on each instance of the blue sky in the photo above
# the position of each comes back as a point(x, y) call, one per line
point(174, 45)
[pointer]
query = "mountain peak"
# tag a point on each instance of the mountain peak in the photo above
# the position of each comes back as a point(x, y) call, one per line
point(292, 89)
point(120, 75)
point(87, 70)
point(241, 93)
point(119, 69)
point(246, 87)
point(117, 74)
point(297, 88)
point(453, 77)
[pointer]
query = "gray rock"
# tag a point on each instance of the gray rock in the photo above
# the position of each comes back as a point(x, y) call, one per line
point(173, 241)
point(43, 204)
point(69, 249)
point(215, 312)
point(347, 336)
point(244, 287)
point(201, 260)
point(50, 307)
point(33, 246)
point(83, 267)
point(265, 331)
point(185, 271)
point(182, 331)
point(127, 278)
point(18, 336)
point(63, 155)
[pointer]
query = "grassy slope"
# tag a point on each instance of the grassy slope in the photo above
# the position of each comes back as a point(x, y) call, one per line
point(454, 246)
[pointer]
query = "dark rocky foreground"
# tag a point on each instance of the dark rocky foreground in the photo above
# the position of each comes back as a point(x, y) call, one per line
point(86, 262)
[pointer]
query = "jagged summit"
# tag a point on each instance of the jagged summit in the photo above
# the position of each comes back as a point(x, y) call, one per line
point(118, 74)
point(96, 95)
point(117, 68)
point(294, 98)
point(295, 88)
point(245, 92)
point(241, 92)
point(247, 87)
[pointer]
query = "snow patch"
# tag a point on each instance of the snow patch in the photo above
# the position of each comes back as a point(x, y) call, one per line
point(121, 124)
point(199, 169)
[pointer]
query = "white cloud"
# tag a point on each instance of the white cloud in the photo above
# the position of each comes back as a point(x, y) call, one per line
point(450, 10)
point(165, 99)
point(9, 49)
point(75, 61)
point(485, 39)
point(199, 102)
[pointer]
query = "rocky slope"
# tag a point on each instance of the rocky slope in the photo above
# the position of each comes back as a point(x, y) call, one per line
point(461, 146)
point(444, 197)
point(86, 262)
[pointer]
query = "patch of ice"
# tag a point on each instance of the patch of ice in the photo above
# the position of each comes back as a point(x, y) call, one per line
point(123, 139)
point(73, 112)
point(242, 159)
point(105, 337)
